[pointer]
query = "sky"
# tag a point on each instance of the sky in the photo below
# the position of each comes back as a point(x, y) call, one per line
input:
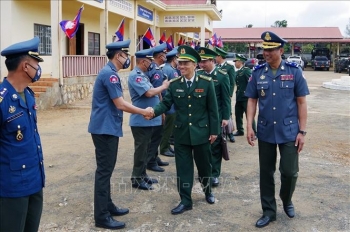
point(237, 14)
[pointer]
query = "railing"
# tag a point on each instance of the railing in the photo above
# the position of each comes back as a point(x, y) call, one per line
point(74, 66)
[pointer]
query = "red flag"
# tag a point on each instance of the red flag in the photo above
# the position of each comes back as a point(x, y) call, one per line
point(193, 44)
point(148, 37)
point(119, 34)
point(219, 43)
point(180, 41)
point(162, 39)
point(213, 39)
point(170, 43)
point(70, 27)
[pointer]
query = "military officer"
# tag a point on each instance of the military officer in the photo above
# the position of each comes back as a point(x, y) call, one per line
point(281, 90)
point(169, 69)
point(230, 70)
point(222, 91)
point(105, 127)
point(156, 77)
point(242, 76)
point(196, 126)
point(143, 94)
point(22, 176)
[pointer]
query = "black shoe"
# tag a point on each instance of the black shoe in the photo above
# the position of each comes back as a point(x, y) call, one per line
point(238, 133)
point(142, 185)
point(231, 138)
point(168, 153)
point(150, 180)
point(210, 198)
point(264, 221)
point(289, 210)
point(180, 209)
point(118, 211)
point(161, 163)
point(215, 182)
point(171, 149)
point(156, 169)
point(110, 223)
point(171, 141)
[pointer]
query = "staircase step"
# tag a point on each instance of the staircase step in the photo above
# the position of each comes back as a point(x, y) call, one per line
point(37, 94)
point(39, 88)
point(48, 79)
point(42, 83)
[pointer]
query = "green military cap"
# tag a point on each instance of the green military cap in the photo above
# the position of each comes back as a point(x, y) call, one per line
point(187, 53)
point(206, 53)
point(221, 52)
point(240, 57)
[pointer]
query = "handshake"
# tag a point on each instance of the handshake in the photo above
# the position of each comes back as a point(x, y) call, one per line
point(148, 113)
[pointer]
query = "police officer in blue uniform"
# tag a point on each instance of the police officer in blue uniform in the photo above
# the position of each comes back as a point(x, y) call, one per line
point(143, 94)
point(22, 176)
point(156, 77)
point(105, 127)
point(171, 71)
point(280, 89)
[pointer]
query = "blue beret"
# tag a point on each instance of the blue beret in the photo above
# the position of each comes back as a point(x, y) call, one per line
point(119, 45)
point(29, 47)
point(271, 40)
point(172, 52)
point(160, 48)
point(146, 53)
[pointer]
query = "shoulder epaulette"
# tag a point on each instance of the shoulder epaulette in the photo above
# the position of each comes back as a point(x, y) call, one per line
point(292, 64)
point(3, 92)
point(222, 71)
point(30, 91)
point(175, 79)
point(199, 70)
point(205, 77)
point(157, 68)
point(138, 72)
point(259, 67)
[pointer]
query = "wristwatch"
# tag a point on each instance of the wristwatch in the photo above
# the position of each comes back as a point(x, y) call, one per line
point(302, 132)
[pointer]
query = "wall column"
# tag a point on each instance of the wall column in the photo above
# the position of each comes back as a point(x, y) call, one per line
point(5, 29)
point(104, 36)
point(202, 36)
point(57, 40)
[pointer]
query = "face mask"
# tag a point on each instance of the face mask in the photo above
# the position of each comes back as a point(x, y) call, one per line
point(37, 74)
point(126, 63)
point(150, 67)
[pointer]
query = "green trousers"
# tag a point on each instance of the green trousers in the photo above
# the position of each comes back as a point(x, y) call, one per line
point(185, 154)
point(167, 131)
point(289, 168)
point(216, 157)
point(240, 108)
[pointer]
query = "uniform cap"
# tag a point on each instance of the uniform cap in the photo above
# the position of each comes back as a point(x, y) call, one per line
point(240, 57)
point(172, 52)
point(160, 48)
point(146, 53)
point(220, 52)
point(28, 47)
point(206, 53)
point(187, 53)
point(271, 40)
point(119, 45)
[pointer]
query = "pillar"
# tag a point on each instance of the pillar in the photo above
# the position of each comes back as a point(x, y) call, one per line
point(5, 29)
point(57, 40)
point(202, 36)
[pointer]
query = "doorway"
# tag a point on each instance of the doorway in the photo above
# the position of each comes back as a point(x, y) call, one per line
point(75, 45)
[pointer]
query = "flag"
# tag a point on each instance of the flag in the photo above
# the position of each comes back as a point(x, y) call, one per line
point(193, 45)
point(212, 40)
point(162, 39)
point(70, 27)
point(180, 41)
point(219, 43)
point(148, 38)
point(170, 43)
point(119, 34)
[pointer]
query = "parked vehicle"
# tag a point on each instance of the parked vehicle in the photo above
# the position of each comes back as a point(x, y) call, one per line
point(320, 52)
point(260, 58)
point(320, 62)
point(342, 65)
point(251, 63)
point(296, 59)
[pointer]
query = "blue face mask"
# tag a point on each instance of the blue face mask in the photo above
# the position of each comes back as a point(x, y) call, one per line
point(126, 63)
point(37, 74)
point(150, 67)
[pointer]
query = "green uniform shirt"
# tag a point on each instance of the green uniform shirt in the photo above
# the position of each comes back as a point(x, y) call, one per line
point(230, 70)
point(242, 78)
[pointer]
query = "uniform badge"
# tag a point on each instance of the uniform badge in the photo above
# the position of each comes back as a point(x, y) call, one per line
point(266, 69)
point(202, 52)
point(282, 68)
point(156, 76)
point(183, 51)
point(19, 135)
point(199, 91)
point(262, 93)
point(179, 90)
point(12, 109)
point(138, 79)
point(14, 96)
point(35, 107)
point(267, 36)
point(262, 77)
point(250, 78)
point(113, 79)
point(1, 99)
point(176, 74)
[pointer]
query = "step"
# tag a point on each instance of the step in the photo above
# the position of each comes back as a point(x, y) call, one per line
point(39, 88)
point(48, 79)
point(37, 94)
point(42, 83)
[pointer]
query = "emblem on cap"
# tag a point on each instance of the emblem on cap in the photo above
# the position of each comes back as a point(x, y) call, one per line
point(202, 52)
point(267, 36)
point(183, 51)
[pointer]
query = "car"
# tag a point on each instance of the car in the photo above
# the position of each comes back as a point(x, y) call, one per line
point(342, 65)
point(296, 59)
point(251, 63)
point(260, 58)
point(320, 62)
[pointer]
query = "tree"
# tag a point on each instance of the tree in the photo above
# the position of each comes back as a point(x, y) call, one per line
point(282, 23)
point(347, 29)
point(249, 26)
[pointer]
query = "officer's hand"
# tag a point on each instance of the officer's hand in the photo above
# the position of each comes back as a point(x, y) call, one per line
point(250, 136)
point(299, 142)
point(148, 113)
point(166, 84)
point(212, 138)
point(224, 123)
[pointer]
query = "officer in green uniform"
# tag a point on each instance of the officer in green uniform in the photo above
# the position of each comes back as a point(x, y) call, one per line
point(196, 126)
point(230, 70)
point(222, 90)
point(242, 77)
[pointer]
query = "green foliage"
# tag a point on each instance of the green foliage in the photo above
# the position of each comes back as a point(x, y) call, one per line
point(249, 26)
point(282, 23)
point(347, 29)
point(236, 47)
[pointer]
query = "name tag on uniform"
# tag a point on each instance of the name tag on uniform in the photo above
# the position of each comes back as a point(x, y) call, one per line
point(287, 77)
point(215, 80)
point(179, 90)
point(13, 117)
point(199, 90)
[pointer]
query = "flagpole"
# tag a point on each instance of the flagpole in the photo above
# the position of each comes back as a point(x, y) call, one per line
point(118, 29)
point(142, 37)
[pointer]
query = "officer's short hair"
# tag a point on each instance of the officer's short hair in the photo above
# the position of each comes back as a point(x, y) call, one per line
point(111, 53)
point(13, 62)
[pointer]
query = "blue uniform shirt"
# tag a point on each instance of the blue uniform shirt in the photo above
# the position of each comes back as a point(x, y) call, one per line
point(21, 157)
point(156, 77)
point(105, 117)
point(139, 84)
point(278, 110)
point(171, 73)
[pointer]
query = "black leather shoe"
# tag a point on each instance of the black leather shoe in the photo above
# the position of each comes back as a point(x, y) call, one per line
point(118, 211)
point(289, 210)
point(215, 182)
point(231, 138)
point(110, 223)
point(168, 153)
point(264, 221)
point(171, 149)
point(156, 169)
point(150, 180)
point(238, 133)
point(180, 209)
point(210, 198)
point(161, 163)
point(142, 185)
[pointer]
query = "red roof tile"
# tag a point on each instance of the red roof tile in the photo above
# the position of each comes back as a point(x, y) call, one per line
point(184, 2)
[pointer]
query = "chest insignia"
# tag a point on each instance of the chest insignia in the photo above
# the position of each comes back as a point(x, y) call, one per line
point(199, 91)
point(19, 135)
point(179, 90)
point(282, 68)
point(14, 96)
point(262, 77)
point(262, 93)
point(113, 79)
point(287, 77)
point(12, 109)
